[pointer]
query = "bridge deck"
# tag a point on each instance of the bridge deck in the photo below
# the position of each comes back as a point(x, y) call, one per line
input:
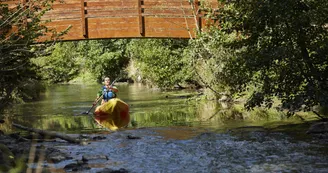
point(95, 19)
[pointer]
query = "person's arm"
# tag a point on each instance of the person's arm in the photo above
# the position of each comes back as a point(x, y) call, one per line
point(99, 95)
point(113, 88)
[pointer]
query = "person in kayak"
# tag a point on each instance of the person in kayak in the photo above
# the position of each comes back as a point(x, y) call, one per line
point(107, 92)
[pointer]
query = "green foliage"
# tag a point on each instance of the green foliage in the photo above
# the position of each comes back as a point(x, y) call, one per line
point(61, 65)
point(84, 78)
point(209, 57)
point(71, 60)
point(106, 58)
point(284, 51)
point(17, 38)
point(160, 61)
point(28, 91)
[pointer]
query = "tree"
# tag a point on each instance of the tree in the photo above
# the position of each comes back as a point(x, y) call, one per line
point(61, 65)
point(20, 27)
point(283, 51)
point(209, 58)
point(105, 57)
point(160, 61)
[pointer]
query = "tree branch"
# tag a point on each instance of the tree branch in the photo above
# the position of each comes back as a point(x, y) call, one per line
point(51, 134)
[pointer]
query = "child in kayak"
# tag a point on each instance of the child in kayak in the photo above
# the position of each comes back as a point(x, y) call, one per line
point(107, 92)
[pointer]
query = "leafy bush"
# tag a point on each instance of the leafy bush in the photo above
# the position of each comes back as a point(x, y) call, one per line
point(209, 57)
point(160, 61)
point(61, 65)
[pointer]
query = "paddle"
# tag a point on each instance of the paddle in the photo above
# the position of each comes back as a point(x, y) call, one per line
point(96, 102)
point(93, 105)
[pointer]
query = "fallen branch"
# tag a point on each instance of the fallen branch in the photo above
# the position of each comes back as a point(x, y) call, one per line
point(51, 134)
point(321, 117)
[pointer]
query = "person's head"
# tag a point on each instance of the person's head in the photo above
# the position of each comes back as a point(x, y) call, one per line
point(107, 81)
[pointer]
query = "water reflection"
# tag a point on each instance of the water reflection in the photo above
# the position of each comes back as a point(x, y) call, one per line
point(61, 107)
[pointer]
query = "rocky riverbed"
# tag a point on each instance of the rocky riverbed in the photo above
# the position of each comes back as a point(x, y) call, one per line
point(173, 149)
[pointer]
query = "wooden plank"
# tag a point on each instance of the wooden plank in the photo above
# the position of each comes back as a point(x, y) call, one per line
point(165, 28)
point(76, 12)
point(114, 33)
point(170, 25)
point(168, 15)
point(113, 20)
point(110, 1)
point(105, 8)
point(166, 34)
point(113, 12)
point(127, 29)
point(112, 25)
point(166, 4)
point(75, 28)
point(113, 4)
point(56, 17)
point(65, 6)
point(111, 15)
point(182, 12)
point(167, 1)
point(63, 12)
point(150, 20)
point(63, 23)
point(72, 33)
point(104, 12)
point(150, 29)
point(121, 25)
point(66, 1)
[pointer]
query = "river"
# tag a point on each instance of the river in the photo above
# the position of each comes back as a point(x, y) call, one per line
point(177, 134)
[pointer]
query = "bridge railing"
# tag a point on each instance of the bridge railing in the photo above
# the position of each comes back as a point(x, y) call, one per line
point(95, 19)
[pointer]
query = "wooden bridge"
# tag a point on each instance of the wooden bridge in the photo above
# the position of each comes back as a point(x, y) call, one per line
point(97, 19)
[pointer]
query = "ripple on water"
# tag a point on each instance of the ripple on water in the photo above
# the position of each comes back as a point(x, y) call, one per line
point(203, 151)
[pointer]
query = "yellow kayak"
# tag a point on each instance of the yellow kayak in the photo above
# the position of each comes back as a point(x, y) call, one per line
point(113, 114)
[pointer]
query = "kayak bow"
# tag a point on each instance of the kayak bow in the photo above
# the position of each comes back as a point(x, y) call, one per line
point(113, 114)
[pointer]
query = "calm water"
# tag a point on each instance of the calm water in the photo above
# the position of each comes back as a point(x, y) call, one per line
point(177, 135)
point(61, 106)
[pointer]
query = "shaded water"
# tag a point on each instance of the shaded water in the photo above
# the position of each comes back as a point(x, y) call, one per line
point(177, 135)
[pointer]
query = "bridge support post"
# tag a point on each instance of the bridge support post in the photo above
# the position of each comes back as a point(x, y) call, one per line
point(84, 24)
point(141, 19)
